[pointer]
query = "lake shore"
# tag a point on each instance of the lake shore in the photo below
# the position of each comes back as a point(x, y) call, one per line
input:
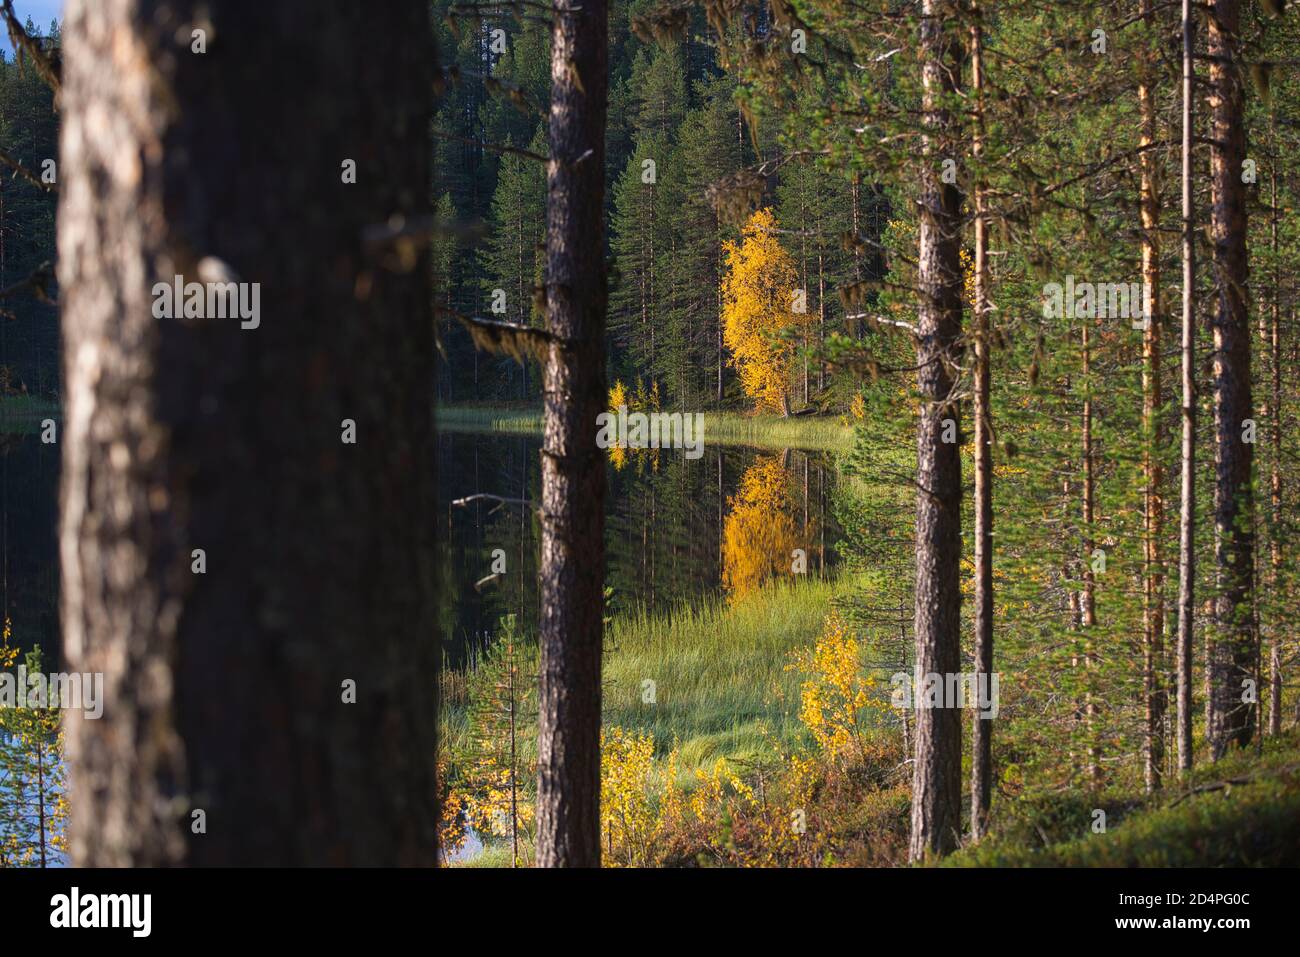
point(823, 433)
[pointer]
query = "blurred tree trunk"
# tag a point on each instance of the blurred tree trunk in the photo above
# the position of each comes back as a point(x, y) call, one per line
point(225, 690)
point(573, 467)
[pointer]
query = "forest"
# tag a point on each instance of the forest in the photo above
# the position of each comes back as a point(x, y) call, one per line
point(650, 434)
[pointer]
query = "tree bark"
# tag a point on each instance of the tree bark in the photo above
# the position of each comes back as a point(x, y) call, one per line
point(936, 774)
point(1272, 341)
point(1187, 489)
point(573, 468)
point(1275, 472)
point(1088, 600)
point(981, 782)
point(225, 690)
point(1153, 618)
point(1231, 652)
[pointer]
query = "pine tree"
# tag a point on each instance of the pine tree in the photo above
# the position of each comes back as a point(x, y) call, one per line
point(511, 258)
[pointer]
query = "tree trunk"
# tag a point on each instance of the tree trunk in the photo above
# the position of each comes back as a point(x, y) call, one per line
point(981, 727)
point(1231, 649)
point(573, 468)
point(1272, 342)
point(226, 690)
point(936, 773)
point(1153, 618)
point(1187, 490)
point(1088, 600)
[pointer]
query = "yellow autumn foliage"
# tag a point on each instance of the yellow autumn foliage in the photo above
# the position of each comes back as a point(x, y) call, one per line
point(758, 289)
point(759, 535)
point(835, 690)
point(634, 807)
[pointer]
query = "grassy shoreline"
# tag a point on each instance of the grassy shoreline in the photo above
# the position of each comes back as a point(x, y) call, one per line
point(721, 688)
point(811, 433)
point(23, 414)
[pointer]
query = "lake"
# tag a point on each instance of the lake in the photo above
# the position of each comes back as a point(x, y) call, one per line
point(677, 529)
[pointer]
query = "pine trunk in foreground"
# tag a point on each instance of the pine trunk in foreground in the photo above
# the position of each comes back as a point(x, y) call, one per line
point(1187, 487)
point(225, 689)
point(936, 773)
point(573, 467)
point(1231, 659)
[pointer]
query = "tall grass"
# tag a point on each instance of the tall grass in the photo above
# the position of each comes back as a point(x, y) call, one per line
point(810, 433)
point(813, 433)
point(489, 418)
point(721, 688)
point(720, 684)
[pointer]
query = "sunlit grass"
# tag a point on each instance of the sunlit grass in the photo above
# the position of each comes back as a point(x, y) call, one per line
point(1243, 811)
point(489, 418)
point(721, 688)
point(720, 684)
point(22, 414)
point(814, 433)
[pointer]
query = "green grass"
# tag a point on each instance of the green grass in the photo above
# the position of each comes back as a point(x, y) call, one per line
point(1243, 811)
point(813, 433)
point(721, 688)
point(490, 418)
point(22, 414)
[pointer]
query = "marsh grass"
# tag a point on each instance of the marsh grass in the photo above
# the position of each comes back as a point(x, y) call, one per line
point(812, 433)
point(721, 687)
point(720, 679)
point(22, 414)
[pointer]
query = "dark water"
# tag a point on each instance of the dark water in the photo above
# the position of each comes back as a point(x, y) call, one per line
point(667, 526)
point(667, 523)
point(29, 550)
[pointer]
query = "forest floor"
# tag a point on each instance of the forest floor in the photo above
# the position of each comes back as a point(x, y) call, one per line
point(1243, 811)
point(824, 433)
point(722, 690)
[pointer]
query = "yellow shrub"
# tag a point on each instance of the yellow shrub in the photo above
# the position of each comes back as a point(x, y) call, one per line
point(634, 809)
point(835, 691)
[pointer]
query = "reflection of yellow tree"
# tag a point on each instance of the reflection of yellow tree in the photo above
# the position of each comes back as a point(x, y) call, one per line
point(759, 536)
point(640, 401)
point(617, 397)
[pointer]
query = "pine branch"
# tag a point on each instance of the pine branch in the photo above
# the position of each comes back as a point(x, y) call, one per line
point(509, 338)
point(20, 170)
